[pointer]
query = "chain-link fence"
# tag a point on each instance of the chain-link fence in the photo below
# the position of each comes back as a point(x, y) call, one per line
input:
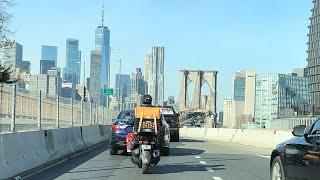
point(22, 110)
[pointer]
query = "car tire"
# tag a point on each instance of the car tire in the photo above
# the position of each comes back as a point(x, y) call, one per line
point(165, 151)
point(113, 150)
point(175, 138)
point(277, 171)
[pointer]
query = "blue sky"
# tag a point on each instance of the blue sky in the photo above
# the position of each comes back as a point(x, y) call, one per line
point(224, 35)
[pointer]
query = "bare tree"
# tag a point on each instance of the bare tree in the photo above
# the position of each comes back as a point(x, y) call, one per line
point(5, 19)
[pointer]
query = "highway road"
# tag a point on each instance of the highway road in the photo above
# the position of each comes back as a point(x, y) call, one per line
point(190, 159)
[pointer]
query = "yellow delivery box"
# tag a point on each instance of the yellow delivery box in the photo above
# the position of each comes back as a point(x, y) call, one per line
point(148, 119)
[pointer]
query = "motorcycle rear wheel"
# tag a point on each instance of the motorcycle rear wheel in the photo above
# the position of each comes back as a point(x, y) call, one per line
point(144, 169)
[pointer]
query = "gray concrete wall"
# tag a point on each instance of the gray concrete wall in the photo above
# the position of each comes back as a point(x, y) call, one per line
point(24, 152)
point(262, 138)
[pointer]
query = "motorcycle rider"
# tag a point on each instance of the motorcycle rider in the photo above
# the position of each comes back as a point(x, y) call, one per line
point(146, 102)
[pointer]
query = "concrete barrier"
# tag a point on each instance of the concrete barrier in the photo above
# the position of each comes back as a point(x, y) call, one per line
point(21, 152)
point(61, 142)
point(92, 135)
point(263, 138)
point(106, 130)
point(257, 137)
point(212, 134)
point(25, 152)
point(225, 135)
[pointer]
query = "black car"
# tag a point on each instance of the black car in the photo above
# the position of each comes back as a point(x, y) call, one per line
point(299, 157)
point(124, 125)
point(172, 118)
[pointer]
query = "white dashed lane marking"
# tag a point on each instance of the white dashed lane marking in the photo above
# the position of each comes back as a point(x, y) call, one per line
point(263, 156)
point(197, 157)
point(203, 162)
point(209, 169)
point(216, 178)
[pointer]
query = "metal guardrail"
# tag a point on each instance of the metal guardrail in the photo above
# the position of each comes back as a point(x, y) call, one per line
point(290, 123)
point(23, 110)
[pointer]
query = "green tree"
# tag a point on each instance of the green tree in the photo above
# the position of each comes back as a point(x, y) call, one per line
point(5, 18)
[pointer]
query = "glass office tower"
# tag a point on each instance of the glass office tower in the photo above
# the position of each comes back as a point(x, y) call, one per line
point(73, 62)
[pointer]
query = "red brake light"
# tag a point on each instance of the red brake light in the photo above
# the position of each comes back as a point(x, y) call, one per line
point(115, 127)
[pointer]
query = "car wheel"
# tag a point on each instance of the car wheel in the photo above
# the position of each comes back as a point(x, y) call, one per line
point(165, 151)
point(113, 150)
point(175, 138)
point(277, 172)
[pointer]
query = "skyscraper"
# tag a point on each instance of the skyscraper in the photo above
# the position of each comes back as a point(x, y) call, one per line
point(73, 61)
point(102, 44)
point(314, 58)
point(96, 85)
point(154, 73)
point(228, 120)
point(45, 65)
point(48, 58)
point(13, 54)
point(137, 82)
point(148, 72)
point(279, 96)
point(100, 64)
point(49, 53)
point(244, 87)
point(123, 82)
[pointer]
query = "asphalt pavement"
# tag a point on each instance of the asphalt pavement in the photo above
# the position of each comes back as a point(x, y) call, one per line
point(189, 159)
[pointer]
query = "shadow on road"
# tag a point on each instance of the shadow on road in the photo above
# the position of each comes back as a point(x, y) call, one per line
point(67, 166)
point(97, 177)
point(106, 168)
point(180, 168)
point(191, 140)
point(185, 151)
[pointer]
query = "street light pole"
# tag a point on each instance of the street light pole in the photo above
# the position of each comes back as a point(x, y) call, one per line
point(84, 73)
point(119, 87)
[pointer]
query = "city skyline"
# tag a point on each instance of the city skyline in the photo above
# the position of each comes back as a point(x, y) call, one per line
point(237, 83)
point(251, 28)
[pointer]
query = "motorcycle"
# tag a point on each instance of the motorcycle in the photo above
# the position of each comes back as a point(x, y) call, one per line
point(144, 153)
point(144, 141)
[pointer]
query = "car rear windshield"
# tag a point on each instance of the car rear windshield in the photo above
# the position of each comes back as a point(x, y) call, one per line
point(126, 114)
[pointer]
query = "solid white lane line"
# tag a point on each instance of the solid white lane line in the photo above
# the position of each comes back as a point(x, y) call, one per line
point(209, 169)
point(263, 156)
point(197, 157)
point(216, 178)
point(203, 162)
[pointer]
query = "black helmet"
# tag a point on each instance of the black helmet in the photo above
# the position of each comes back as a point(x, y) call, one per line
point(146, 99)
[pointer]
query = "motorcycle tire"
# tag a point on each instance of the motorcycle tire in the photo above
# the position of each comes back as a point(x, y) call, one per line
point(144, 169)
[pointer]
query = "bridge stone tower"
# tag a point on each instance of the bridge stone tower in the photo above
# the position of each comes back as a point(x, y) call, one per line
point(198, 79)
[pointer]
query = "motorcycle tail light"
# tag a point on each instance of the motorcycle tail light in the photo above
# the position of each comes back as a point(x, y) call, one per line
point(115, 127)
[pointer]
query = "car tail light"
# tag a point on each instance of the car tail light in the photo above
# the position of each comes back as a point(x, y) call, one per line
point(115, 127)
